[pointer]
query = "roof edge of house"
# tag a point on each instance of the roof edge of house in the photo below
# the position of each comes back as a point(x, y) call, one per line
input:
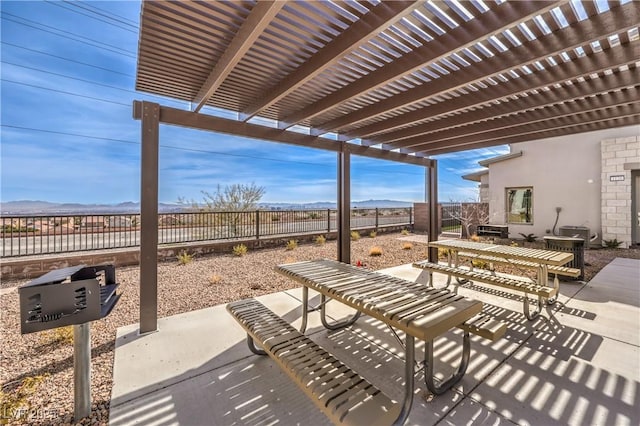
point(475, 176)
point(499, 158)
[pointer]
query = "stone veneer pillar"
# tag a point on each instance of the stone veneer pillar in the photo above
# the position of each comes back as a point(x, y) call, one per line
point(619, 157)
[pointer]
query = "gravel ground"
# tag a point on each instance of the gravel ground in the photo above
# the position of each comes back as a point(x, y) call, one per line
point(204, 282)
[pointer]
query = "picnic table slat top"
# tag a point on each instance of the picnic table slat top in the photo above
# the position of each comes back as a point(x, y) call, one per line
point(541, 256)
point(423, 312)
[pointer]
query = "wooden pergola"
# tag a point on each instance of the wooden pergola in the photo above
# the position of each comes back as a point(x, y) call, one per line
point(396, 80)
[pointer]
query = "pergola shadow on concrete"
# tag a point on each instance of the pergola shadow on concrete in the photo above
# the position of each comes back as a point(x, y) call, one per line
point(398, 80)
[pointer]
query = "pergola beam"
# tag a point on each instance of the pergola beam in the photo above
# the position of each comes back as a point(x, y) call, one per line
point(570, 127)
point(626, 109)
point(497, 19)
point(541, 99)
point(194, 120)
point(618, 19)
point(259, 18)
point(379, 17)
point(610, 59)
point(538, 119)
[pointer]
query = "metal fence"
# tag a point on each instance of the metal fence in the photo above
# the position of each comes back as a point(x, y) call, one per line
point(450, 217)
point(35, 235)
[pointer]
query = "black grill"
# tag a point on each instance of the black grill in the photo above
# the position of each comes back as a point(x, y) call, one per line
point(67, 296)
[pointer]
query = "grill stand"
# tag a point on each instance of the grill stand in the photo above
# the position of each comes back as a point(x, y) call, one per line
point(81, 370)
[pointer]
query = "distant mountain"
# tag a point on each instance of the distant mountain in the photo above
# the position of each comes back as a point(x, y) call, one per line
point(30, 207)
point(368, 204)
point(24, 207)
point(382, 203)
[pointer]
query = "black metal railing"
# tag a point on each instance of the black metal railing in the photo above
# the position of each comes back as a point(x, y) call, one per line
point(450, 217)
point(35, 235)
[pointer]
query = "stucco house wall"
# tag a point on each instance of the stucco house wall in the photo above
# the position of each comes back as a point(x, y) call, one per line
point(485, 194)
point(564, 172)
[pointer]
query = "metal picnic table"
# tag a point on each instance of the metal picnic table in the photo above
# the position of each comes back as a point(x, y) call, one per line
point(544, 258)
point(516, 256)
point(420, 312)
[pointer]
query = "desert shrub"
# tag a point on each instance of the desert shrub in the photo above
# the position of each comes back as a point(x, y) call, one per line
point(375, 251)
point(314, 215)
point(530, 238)
point(292, 245)
point(480, 264)
point(404, 232)
point(184, 258)
point(14, 403)
point(612, 243)
point(60, 335)
point(373, 234)
point(407, 246)
point(475, 238)
point(355, 235)
point(443, 253)
point(320, 240)
point(240, 250)
point(215, 279)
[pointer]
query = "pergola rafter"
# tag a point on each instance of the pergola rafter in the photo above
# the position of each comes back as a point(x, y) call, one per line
point(569, 129)
point(251, 29)
point(533, 101)
point(439, 99)
point(609, 60)
point(580, 34)
point(499, 18)
point(605, 116)
point(510, 121)
point(378, 18)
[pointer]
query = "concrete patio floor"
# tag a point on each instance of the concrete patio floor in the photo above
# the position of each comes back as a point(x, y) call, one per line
point(578, 363)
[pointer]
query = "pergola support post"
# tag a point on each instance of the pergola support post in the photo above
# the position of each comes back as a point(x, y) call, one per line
point(150, 118)
point(432, 200)
point(344, 207)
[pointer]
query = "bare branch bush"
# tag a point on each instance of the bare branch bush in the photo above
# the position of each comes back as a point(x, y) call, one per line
point(233, 200)
point(471, 214)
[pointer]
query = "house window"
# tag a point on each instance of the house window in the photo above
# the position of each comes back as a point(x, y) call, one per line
point(520, 205)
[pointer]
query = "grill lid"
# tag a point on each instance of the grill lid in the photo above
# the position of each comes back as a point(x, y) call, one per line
point(53, 277)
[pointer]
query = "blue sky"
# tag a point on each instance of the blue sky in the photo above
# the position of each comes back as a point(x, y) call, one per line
point(68, 78)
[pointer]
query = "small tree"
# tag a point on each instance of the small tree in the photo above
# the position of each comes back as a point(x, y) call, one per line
point(233, 200)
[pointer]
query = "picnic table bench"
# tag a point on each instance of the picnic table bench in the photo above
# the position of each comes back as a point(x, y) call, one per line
point(419, 311)
point(555, 270)
point(344, 396)
point(543, 260)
